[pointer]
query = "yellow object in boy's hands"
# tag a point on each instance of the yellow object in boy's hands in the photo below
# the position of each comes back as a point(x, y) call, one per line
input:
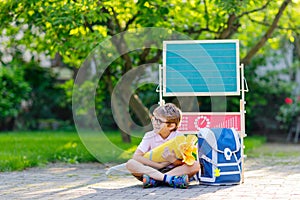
point(183, 147)
point(187, 149)
point(173, 145)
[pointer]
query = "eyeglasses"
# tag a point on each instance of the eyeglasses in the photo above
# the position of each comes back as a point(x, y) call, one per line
point(157, 121)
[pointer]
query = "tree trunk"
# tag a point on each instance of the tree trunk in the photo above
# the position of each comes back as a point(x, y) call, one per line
point(122, 120)
point(126, 138)
point(297, 45)
point(122, 116)
point(139, 109)
point(135, 103)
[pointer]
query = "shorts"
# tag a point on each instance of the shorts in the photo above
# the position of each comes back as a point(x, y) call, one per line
point(166, 169)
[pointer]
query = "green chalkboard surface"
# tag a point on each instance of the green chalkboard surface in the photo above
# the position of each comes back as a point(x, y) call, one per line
point(201, 68)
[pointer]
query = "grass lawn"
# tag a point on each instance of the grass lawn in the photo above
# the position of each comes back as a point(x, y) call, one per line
point(253, 142)
point(20, 150)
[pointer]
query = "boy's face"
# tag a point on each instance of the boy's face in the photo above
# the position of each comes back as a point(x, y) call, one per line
point(160, 125)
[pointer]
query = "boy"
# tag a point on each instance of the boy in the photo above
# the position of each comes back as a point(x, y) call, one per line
point(165, 120)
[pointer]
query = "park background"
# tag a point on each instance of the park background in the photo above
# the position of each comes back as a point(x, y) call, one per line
point(44, 43)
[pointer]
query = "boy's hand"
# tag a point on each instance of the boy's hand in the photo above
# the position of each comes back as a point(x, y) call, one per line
point(163, 164)
point(169, 156)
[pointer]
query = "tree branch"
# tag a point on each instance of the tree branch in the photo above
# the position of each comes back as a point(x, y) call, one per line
point(130, 21)
point(116, 20)
point(255, 10)
point(206, 14)
point(121, 46)
point(192, 30)
point(155, 58)
point(110, 24)
point(233, 22)
point(231, 27)
point(295, 29)
point(88, 25)
point(143, 55)
point(267, 35)
point(119, 41)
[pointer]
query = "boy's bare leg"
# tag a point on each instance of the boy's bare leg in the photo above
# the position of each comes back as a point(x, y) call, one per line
point(138, 169)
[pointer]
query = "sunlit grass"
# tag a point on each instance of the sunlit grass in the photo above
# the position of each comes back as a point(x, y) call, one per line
point(253, 142)
point(20, 150)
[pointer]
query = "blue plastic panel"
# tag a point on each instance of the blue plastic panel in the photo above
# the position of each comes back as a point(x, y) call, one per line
point(201, 68)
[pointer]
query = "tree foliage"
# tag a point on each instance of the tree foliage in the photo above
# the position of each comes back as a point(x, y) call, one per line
point(72, 28)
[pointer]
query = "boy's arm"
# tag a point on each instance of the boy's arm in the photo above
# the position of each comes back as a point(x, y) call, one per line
point(178, 162)
point(139, 156)
point(170, 156)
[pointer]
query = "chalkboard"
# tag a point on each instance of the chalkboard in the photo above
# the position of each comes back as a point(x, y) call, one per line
point(201, 68)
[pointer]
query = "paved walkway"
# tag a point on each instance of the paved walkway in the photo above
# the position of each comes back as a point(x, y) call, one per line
point(266, 177)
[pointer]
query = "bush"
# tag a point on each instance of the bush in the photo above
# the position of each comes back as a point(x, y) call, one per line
point(288, 112)
point(266, 94)
point(13, 90)
point(47, 100)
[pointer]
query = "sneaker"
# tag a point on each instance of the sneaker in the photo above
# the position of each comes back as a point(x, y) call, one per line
point(149, 182)
point(180, 182)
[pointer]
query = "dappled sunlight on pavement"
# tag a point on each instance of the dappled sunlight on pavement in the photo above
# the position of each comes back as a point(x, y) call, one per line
point(266, 177)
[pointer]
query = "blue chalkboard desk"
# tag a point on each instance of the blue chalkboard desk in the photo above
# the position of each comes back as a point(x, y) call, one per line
point(204, 68)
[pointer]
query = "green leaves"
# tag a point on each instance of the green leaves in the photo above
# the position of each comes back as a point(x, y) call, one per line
point(74, 28)
point(13, 89)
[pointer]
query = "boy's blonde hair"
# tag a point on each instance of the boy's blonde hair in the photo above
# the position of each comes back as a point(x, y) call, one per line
point(170, 112)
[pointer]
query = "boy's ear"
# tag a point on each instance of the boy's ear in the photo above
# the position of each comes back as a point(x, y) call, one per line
point(171, 126)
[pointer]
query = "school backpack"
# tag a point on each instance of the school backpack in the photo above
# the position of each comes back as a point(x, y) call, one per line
point(219, 153)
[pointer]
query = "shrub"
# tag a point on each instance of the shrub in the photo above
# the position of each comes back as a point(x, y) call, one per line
point(47, 101)
point(13, 89)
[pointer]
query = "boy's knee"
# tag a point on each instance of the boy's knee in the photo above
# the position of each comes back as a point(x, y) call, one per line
point(195, 168)
point(130, 163)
